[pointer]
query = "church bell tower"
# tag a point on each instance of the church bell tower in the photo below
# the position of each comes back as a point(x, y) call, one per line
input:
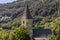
point(26, 17)
point(27, 20)
point(23, 19)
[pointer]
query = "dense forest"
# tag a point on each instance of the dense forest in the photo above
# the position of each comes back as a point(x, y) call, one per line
point(46, 14)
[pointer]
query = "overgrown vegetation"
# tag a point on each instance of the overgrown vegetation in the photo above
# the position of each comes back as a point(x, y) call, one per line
point(17, 34)
point(46, 14)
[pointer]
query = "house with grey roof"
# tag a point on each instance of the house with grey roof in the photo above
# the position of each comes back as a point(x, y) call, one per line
point(41, 34)
point(4, 18)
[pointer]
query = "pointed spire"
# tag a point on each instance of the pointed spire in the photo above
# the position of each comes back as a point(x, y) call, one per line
point(28, 14)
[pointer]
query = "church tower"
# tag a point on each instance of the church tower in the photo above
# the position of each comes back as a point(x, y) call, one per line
point(27, 20)
point(23, 19)
point(26, 17)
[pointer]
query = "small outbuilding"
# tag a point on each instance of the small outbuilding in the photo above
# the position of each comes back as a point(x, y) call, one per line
point(4, 18)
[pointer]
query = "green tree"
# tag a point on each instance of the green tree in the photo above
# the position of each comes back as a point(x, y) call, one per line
point(55, 27)
point(19, 34)
point(3, 35)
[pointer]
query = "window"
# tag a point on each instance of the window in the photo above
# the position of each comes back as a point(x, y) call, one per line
point(23, 22)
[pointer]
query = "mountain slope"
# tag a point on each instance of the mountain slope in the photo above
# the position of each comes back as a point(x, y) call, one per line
point(43, 11)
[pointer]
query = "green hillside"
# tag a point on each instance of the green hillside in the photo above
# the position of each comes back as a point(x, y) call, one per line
point(46, 14)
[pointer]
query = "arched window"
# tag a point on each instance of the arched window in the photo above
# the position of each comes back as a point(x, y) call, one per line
point(23, 22)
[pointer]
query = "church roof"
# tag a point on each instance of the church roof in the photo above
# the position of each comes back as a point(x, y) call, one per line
point(28, 14)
